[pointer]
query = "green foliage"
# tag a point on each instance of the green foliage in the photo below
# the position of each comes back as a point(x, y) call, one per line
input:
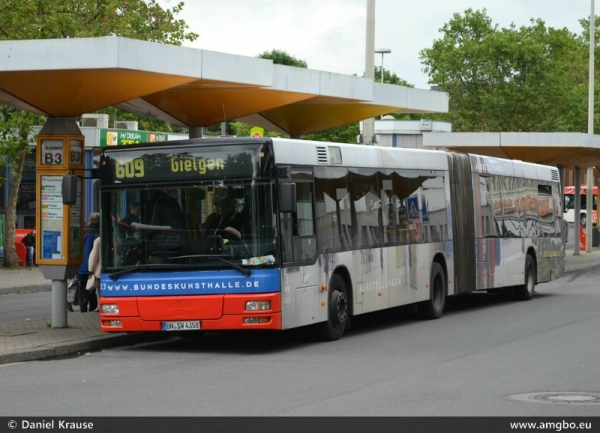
point(280, 57)
point(137, 19)
point(389, 78)
point(508, 79)
point(341, 134)
point(48, 19)
point(16, 127)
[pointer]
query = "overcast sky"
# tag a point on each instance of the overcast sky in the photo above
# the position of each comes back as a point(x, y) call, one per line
point(330, 34)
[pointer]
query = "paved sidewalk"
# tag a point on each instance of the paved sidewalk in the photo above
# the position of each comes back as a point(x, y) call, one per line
point(26, 340)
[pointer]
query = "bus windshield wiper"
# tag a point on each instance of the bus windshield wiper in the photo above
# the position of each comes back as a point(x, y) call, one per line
point(245, 271)
point(114, 275)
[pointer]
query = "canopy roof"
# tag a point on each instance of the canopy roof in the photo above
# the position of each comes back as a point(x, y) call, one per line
point(561, 149)
point(192, 87)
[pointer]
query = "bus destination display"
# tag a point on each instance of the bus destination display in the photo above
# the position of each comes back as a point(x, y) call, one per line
point(128, 167)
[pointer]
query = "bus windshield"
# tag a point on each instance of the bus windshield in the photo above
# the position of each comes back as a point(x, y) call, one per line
point(215, 225)
point(570, 202)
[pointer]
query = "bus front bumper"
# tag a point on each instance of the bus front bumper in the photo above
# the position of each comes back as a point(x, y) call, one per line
point(212, 312)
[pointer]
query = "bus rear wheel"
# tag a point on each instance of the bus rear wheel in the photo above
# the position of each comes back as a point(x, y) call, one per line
point(526, 291)
point(337, 314)
point(434, 306)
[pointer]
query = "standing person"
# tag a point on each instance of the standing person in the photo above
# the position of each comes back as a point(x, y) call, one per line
point(95, 265)
point(29, 242)
point(91, 232)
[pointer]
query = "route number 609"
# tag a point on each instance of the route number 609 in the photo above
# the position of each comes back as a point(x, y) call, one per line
point(130, 169)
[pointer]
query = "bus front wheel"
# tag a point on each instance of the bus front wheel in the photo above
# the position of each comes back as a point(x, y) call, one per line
point(434, 306)
point(337, 314)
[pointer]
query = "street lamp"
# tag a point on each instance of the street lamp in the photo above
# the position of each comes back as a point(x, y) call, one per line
point(382, 51)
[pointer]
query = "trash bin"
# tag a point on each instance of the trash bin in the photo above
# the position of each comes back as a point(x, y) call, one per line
point(595, 237)
point(21, 253)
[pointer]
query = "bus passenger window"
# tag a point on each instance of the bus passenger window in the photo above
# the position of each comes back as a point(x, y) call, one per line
point(297, 228)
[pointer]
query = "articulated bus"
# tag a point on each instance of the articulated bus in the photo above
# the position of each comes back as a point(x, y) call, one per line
point(569, 211)
point(322, 232)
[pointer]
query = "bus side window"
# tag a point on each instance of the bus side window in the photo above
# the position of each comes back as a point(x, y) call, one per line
point(298, 229)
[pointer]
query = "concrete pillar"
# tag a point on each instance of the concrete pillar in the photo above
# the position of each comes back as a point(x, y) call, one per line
point(368, 132)
point(196, 131)
point(59, 304)
point(577, 219)
point(589, 210)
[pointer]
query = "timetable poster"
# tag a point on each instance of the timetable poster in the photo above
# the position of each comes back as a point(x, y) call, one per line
point(51, 243)
point(51, 217)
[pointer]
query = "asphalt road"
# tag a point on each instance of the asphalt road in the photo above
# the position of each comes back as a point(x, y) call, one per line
point(484, 350)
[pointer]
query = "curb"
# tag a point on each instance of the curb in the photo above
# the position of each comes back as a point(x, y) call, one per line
point(25, 289)
point(575, 268)
point(78, 348)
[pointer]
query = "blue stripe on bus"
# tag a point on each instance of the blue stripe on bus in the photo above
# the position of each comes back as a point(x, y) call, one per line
point(191, 283)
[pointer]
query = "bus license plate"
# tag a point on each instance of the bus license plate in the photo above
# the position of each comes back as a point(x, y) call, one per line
point(192, 325)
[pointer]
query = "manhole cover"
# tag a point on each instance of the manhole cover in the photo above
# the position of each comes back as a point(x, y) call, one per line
point(576, 398)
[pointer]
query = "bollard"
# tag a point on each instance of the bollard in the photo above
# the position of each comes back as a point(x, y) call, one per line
point(582, 238)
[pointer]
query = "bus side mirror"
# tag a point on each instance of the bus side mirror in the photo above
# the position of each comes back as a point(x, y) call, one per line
point(69, 189)
point(287, 197)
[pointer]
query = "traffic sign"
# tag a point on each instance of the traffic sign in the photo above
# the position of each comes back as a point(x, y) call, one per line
point(257, 131)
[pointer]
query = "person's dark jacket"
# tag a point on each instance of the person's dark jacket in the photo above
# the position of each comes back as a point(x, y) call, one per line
point(90, 233)
point(29, 240)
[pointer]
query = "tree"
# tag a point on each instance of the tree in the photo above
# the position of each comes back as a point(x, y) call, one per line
point(280, 57)
point(15, 136)
point(340, 134)
point(136, 19)
point(507, 79)
point(35, 19)
point(389, 78)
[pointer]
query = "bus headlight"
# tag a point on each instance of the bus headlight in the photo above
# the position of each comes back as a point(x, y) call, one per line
point(258, 305)
point(110, 308)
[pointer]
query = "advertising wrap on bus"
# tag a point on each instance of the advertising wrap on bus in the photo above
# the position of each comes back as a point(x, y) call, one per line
point(569, 210)
point(274, 234)
point(191, 283)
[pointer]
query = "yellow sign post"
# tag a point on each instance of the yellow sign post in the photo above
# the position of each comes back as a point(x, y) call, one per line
point(59, 230)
